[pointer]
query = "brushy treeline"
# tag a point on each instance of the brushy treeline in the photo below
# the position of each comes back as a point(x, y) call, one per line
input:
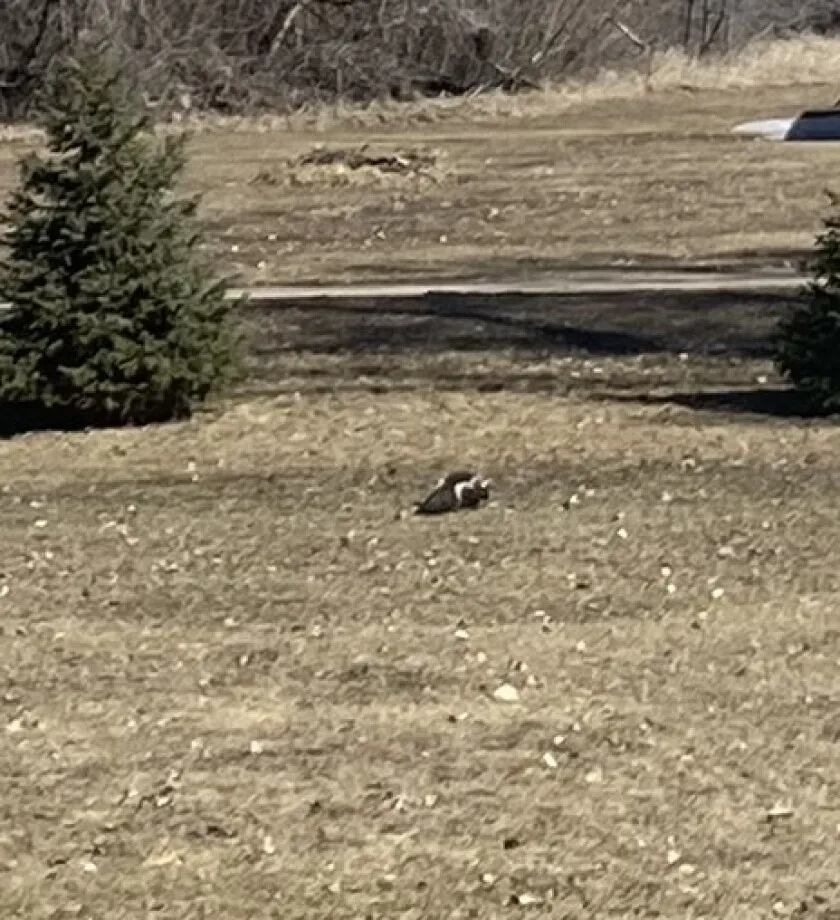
point(241, 56)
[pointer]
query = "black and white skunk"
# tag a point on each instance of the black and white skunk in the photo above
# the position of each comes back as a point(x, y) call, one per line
point(458, 490)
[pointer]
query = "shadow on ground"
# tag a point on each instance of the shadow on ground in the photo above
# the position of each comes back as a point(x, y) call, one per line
point(18, 418)
point(621, 324)
point(505, 268)
point(485, 343)
point(23, 418)
point(472, 343)
point(772, 402)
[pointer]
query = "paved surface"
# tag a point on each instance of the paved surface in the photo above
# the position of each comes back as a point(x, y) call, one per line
point(572, 283)
point(605, 282)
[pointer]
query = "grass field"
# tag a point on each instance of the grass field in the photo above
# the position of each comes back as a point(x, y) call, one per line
point(671, 187)
point(647, 180)
point(236, 681)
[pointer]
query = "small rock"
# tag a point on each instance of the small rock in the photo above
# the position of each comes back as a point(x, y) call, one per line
point(506, 693)
point(594, 776)
point(549, 760)
point(268, 846)
point(461, 634)
point(526, 899)
point(672, 857)
point(257, 747)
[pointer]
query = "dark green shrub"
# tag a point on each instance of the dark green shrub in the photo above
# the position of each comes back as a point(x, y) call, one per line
point(116, 317)
point(807, 341)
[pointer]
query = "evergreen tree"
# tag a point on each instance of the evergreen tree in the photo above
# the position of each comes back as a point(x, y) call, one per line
point(807, 341)
point(116, 317)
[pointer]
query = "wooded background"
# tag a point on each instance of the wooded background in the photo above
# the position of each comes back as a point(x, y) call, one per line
point(242, 56)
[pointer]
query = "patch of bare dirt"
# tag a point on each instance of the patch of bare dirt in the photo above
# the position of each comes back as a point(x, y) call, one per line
point(355, 166)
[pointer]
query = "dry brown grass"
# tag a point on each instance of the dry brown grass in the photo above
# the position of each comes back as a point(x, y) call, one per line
point(237, 684)
point(516, 198)
point(625, 171)
point(513, 199)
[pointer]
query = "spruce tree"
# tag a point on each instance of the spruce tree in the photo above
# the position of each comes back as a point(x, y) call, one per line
point(116, 317)
point(807, 340)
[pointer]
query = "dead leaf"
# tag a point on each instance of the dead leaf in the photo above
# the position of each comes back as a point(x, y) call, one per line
point(594, 776)
point(506, 693)
point(779, 811)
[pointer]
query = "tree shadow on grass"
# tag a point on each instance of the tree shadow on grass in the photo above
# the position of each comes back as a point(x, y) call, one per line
point(530, 268)
point(17, 418)
point(490, 343)
point(770, 402)
point(610, 324)
point(383, 334)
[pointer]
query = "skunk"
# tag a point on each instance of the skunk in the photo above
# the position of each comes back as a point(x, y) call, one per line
point(461, 489)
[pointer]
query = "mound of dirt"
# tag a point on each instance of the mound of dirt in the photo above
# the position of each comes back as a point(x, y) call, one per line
point(354, 166)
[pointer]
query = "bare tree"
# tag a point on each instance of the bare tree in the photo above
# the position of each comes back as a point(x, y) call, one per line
point(240, 55)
